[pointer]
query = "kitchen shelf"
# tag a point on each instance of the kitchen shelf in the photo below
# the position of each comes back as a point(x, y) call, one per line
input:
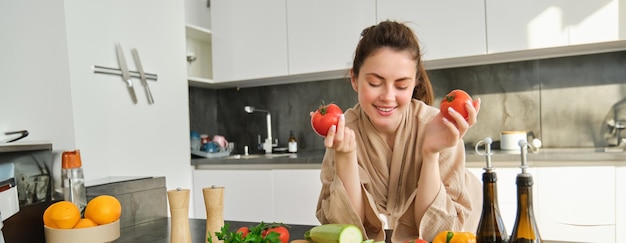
point(21, 146)
point(198, 33)
point(200, 70)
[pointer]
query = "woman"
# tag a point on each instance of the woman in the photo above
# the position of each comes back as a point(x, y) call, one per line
point(393, 153)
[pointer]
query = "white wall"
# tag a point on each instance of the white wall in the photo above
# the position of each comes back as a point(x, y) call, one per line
point(48, 87)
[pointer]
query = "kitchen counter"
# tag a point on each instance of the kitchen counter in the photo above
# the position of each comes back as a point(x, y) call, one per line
point(545, 157)
point(300, 160)
point(158, 231)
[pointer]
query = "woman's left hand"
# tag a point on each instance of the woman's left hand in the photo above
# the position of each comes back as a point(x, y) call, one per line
point(441, 133)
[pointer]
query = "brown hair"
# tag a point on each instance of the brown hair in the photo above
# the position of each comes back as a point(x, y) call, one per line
point(398, 37)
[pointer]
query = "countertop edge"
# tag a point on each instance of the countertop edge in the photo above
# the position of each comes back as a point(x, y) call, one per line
point(545, 158)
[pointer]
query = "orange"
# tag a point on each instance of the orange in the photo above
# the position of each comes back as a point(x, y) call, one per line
point(61, 215)
point(85, 223)
point(103, 209)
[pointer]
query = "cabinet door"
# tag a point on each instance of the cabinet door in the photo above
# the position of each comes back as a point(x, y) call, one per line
point(620, 202)
point(198, 13)
point(249, 39)
point(296, 194)
point(248, 194)
point(595, 21)
point(521, 25)
point(445, 29)
point(323, 34)
point(577, 204)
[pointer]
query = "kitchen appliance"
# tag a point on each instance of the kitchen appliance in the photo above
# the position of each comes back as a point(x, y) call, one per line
point(614, 125)
point(9, 202)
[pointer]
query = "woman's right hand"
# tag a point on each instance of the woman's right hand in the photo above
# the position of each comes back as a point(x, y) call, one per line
point(340, 138)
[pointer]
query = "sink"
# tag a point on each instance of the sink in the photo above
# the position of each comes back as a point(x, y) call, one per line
point(258, 156)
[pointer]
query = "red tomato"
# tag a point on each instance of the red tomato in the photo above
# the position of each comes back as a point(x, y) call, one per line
point(282, 232)
point(325, 117)
point(244, 231)
point(456, 99)
point(415, 241)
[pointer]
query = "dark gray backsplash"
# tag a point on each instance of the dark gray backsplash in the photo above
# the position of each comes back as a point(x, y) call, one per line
point(562, 100)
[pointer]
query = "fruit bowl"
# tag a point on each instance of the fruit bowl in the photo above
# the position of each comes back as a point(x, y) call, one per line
point(101, 233)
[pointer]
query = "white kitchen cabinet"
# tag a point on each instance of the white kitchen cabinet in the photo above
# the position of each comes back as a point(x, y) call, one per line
point(620, 203)
point(595, 21)
point(248, 194)
point(445, 29)
point(249, 39)
point(514, 25)
point(49, 86)
point(517, 26)
point(198, 43)
point(198, 13)
point(322, 35)
point(270, 195)
point(507, 192)
point(577, 204)
point(296, 193)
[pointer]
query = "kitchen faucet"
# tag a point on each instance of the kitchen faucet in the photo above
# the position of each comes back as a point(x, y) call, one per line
point(267, 145)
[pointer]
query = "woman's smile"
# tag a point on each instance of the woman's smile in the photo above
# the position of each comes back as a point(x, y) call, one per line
point(385, 110)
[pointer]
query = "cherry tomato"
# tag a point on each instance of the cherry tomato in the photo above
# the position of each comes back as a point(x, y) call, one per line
point(244, 231)
point(281, 230)
point(415, 241)
point(456, 99)
point(325, 117)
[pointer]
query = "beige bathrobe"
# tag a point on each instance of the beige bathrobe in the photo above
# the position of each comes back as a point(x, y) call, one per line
point(389, 180)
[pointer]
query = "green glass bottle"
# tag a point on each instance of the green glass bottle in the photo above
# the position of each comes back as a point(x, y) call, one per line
point(525, 229)
point(491, 227)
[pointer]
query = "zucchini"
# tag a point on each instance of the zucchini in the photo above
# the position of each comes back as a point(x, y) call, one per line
point(334, 233)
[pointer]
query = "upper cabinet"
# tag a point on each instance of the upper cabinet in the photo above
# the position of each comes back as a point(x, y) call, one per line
point(255, 43)
point(249, 39)
point(445, 29)
point(198, 42)
point(322, 35)
point(516, 26)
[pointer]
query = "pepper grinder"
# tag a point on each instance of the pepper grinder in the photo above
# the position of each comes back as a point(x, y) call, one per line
point(214, 203)
point(179, 209)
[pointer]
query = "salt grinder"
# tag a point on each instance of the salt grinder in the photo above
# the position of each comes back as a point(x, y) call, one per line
point(214, 203)
point(179, 210)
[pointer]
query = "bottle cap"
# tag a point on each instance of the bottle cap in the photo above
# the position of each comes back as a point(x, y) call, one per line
point(71, 159)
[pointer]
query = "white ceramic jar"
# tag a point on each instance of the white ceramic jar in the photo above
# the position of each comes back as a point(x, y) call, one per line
point(509, 140)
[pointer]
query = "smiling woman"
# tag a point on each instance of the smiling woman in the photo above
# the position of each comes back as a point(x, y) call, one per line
point(392, 153)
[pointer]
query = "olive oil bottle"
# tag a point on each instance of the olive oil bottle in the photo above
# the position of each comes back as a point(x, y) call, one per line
point(525, 228)
point(491, 227)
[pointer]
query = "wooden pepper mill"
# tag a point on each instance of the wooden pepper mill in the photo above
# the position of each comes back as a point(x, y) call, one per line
point(214, 203)
point(179, 209)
